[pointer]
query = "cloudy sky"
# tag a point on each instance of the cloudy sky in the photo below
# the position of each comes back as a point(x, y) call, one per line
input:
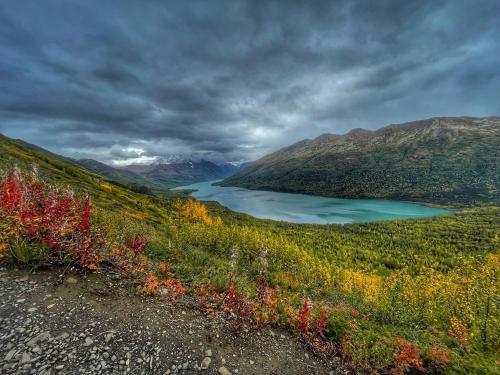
point(128, 81)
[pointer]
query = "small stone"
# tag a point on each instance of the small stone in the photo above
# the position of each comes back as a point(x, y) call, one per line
point(205, 363)
point(208, 353)
point(252, 362)
point(59, 367)
point(71, 280)
point(224, 371)
point(9, 355)
point(88, 341)
point(108, 336)
point(32, 309)
point(26, 358)
point(50, 306)
point(21, 300)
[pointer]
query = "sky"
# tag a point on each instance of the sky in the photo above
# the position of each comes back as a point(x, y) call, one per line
point(132, 81)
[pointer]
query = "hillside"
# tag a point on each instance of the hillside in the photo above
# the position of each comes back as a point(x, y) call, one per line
point(160, 176)
point(443, 160)
point(366, 298)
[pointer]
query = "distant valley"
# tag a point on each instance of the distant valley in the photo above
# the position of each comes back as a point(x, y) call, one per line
point(141, 177)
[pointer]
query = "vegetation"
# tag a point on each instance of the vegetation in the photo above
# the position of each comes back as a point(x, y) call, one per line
point(442, 160)
point(393, 296)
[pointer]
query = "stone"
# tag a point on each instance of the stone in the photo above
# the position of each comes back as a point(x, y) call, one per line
point(205, 363)
point(88, 341)
point(71, 280)
point(208, 353)
point(26, 358)
point(108, 336)
point(44, 336)
point(10, 355)
point(224, 371)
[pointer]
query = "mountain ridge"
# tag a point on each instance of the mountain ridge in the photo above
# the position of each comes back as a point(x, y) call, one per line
point(439, 160)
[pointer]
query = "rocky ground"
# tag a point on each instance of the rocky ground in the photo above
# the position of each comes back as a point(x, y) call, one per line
point(94, 324)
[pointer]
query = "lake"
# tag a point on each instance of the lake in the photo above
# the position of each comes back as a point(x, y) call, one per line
point(301, 208)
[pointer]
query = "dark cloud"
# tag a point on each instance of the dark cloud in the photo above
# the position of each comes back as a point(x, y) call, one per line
point(232, 80)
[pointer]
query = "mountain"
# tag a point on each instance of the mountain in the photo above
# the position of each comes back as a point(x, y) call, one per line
point(162, 176)
point(122, 177)
point(443, 160)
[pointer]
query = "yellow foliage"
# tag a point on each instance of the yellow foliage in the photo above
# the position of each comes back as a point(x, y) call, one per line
point(369, 286)
point(135, 215)
point(195, 212)
point(106, 186)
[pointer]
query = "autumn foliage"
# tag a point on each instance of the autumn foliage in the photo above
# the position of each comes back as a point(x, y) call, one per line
point(407, 357)
point(195, 212)
point(49, 216)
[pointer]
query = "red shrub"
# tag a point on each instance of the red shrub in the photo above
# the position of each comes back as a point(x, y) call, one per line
point(305, 316)
point(231, 293)
point(45, 215)
point(321, 323)
point(407, 357)
point(438, 357)
point(85, 220)
point(138, 244)
point(262, 290)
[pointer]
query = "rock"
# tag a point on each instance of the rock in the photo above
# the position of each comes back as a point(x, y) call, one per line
point(252, 362)
point(41, 337)
point(71, 280)
point(32, 309)
point(205, 363)
point(26, 358)
point(108, 336)
point(9, 355)
point(224, 371)
point(88, 341)
point(208, 353)
point(59, 367)
point(21, 300)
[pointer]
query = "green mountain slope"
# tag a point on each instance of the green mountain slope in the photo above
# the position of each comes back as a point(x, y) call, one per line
point(443, 160)
point(60, 170)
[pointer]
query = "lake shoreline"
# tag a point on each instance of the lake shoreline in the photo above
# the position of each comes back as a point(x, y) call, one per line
point(301, 208)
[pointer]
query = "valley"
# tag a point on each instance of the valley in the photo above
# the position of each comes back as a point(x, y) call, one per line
point(354, 294)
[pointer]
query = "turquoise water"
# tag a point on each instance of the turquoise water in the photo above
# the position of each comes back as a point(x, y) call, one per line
point(300, 208)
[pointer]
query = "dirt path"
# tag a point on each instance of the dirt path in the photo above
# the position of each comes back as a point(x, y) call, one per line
point(92, 324)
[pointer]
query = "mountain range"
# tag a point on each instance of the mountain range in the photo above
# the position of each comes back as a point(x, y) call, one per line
point(142, 178)
point(161, 175)
point(441, 160)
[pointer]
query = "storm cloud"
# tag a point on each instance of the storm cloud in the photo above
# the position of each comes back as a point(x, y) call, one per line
point(129, 81)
